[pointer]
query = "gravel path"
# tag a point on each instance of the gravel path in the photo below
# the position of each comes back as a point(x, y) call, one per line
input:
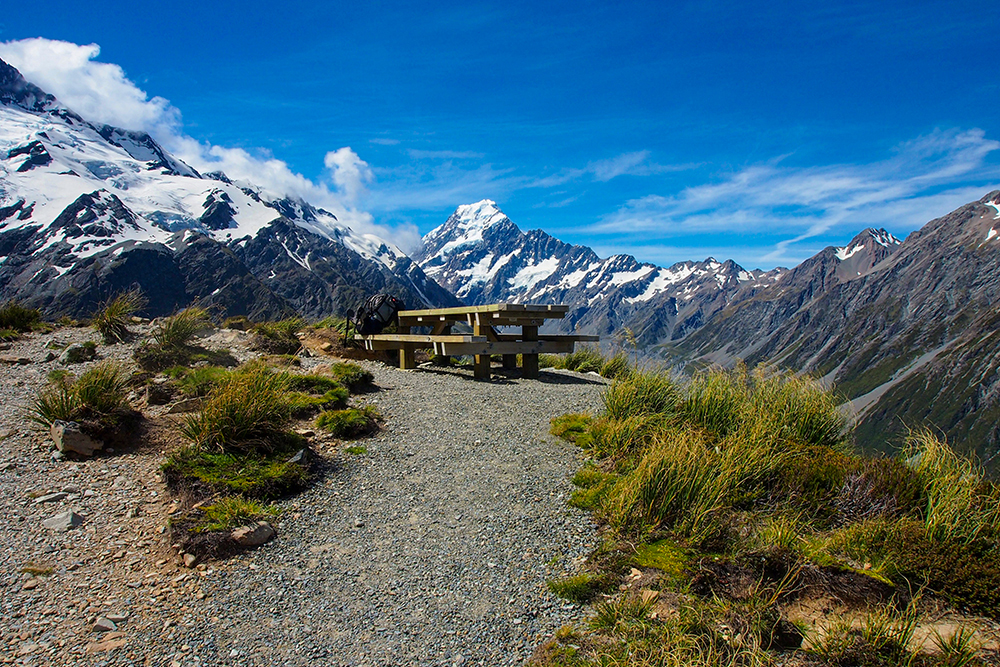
point(431, 548)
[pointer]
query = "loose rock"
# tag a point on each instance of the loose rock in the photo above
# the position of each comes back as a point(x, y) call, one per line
point(68, 437)
point(254, 536)
point(63, 521)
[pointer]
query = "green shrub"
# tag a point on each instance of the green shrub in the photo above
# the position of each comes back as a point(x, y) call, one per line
point(277, 337)
point(352, 376)
point(113, 316)
point(350, 423)
point(7, 335)
point(303, 404)
point(16, 317)
point(582, 587)
point(570, 427)
point(250, 474)
point(247, 412)
point(593, 484)
point(228, 513)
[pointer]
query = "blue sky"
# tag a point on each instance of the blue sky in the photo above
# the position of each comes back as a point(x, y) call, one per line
point(759, 132)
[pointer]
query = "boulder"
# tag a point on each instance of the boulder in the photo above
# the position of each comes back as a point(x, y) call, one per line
point(255, 535)
point(69, 438)
point(75, 354)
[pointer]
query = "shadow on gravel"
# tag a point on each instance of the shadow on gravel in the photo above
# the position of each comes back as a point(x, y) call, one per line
point(511, 376)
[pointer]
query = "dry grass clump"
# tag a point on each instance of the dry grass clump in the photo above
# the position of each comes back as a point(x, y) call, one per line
point(99, 395)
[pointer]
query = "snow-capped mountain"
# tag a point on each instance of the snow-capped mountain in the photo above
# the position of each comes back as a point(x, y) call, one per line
point(87, 210)
point(483, 257)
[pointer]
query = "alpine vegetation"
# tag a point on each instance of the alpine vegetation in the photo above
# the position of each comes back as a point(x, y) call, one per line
point(740, 493)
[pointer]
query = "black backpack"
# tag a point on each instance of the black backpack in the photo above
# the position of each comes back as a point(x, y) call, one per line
point(377, 313)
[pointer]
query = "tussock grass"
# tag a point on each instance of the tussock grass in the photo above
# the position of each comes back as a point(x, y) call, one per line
point(199, 381)
point(736, 469)
point(247, 412)
point(177, 331)
point(99, 395)
point(114, 315)
point(960, 503)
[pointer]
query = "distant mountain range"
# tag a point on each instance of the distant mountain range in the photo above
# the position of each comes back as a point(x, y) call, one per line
point(88, 210)
point(481, 256)
point(906, 330)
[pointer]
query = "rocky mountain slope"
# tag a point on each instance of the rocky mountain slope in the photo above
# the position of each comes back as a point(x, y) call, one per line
point(482, 256)
point(87, 210)
point(909, 333)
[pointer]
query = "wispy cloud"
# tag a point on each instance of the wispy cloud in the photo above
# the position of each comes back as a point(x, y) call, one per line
point(805, 202)
point(443, 155)
point(103, 93)
point(636, 163)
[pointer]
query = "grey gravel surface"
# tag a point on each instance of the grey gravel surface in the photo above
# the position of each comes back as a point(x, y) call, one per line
point(430, 548)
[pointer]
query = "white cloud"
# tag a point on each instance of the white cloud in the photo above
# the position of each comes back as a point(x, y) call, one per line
point(900, 192)
point(349, 172)
point(101, 92)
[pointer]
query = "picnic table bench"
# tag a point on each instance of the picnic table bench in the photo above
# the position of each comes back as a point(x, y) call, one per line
point(484, 340)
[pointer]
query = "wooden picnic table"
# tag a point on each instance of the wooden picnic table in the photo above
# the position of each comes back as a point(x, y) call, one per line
point(485, 339)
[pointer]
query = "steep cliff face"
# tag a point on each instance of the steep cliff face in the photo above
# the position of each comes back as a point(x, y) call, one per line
point(88, 210)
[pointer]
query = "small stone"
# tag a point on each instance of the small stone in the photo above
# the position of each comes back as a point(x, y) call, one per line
point(49, 356)
point(30, 585)
point(158, 394)
point(300, 457)
point(190, 560)
point(254, 536)
point(69, 438)
point(14, 361)
point(57, 455)
point(7, 465)
point(63, 521)
point(358, 523)
point(117, 618)
point(104, 624)
point(51, 497)
point(187, 405)
point(71, 489)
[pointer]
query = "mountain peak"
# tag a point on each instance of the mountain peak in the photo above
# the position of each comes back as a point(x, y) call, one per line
point(14, 89)
point(466, 226)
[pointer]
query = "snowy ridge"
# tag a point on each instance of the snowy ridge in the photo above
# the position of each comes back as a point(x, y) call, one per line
point(71, 190)
point(483, 257)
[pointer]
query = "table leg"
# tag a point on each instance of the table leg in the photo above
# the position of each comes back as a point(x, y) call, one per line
point(407, 353)
point(481, 366)
point(529, 362)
